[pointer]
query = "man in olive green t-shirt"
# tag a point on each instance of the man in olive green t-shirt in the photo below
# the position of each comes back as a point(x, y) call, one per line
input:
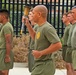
point(6, 38)
point(46, 42)
point(66, 34)
point(69, 52)
point(73, 40)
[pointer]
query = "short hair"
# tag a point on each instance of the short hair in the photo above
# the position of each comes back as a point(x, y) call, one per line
point(74, 7)
point(5, 12)
point(65, 13)
point(69, 12)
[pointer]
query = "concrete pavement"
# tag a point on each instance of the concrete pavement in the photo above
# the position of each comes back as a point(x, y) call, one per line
point(22, 69)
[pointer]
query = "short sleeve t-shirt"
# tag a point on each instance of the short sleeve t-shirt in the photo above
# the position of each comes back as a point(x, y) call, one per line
point(66, 34)
point(6, 29)
point(45, 36)
point(73, 38)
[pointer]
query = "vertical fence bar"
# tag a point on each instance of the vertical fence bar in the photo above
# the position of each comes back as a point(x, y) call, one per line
point(25, 2)
point(30, 2)
point(38, 2)
point(42, 1)
point(0, 4)
point(58, 18)
point(46, 2)
point(21, 13)
point(48, 7)
point(67, 5)
point(63, 6)
point(12, 12)
point(62, 14)
point(17, 18)
point(34, 2)
point(54, 5)
point(4, 4)
point(9, 5)
point(50, 10)
point(71, 4)
point(75, 2)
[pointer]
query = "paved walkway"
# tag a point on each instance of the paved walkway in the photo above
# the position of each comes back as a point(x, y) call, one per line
point(21, 69)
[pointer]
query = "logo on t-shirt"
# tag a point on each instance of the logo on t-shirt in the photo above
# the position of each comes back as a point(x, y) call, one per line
point(38, 35)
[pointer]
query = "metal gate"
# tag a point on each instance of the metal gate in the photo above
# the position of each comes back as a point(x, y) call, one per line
point(56, 9)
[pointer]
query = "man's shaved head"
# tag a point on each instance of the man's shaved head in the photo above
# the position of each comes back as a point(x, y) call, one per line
point(42, 9)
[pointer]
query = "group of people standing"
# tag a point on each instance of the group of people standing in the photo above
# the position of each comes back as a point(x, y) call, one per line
point(43, 35)
point(69, 41)
point(43, 42)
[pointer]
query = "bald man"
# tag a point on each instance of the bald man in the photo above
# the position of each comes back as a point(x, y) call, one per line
point(46, 42)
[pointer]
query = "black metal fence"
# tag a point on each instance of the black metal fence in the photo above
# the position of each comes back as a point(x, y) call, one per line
point(56, 9)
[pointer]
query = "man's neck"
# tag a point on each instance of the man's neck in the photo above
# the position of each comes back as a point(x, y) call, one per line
point(67, 23)
point(74, 21)
point(41, 22)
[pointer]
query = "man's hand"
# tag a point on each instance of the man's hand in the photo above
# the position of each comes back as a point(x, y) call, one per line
point(36, 54)
point(25, 20)
point(7, 58)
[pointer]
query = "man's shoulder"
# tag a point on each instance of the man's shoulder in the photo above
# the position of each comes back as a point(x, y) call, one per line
point(48, 26)
point(8, 24)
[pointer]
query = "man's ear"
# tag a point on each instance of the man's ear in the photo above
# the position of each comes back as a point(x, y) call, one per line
point(3, 17)
point(39, 13)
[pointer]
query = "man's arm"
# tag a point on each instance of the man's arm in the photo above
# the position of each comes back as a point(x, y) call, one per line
point(30, 29)
point(8, 47)
point(52, 48)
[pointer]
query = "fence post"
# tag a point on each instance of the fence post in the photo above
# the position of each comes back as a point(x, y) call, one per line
point(75, 2)
point(0, 4)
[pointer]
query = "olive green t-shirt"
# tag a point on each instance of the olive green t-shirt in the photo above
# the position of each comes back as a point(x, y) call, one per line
point(66, 34)
point(73, 38)
point(70, 35)
point(45, 36)
point(6, 29)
